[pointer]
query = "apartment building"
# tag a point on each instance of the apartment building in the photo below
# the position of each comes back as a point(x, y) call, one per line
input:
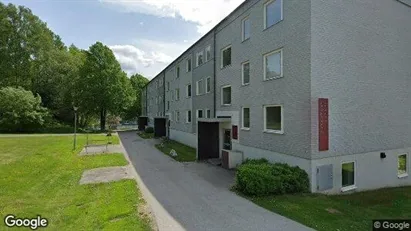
point(321, 84)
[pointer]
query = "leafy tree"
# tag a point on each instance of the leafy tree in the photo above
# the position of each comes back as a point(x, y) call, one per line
point(103, 86)
point(20, 110)
point(138, 82)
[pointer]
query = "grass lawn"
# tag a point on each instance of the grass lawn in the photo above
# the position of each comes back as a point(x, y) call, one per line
point(145, 135)
point(184, 152)
point(347, 212)
point(40, 175)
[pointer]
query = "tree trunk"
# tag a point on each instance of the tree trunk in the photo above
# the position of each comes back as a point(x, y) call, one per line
point(103, 113)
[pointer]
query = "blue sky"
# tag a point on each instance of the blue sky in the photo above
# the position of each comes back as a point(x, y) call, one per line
point(145, 35)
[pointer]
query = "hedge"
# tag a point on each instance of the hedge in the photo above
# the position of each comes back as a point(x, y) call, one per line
point(260, 178)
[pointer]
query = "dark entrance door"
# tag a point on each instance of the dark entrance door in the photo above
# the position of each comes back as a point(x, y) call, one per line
point(227, 139)
point(159, 127)
point(142, 122)
point(208, 140)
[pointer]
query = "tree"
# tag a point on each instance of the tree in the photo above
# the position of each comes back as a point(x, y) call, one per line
point(103, 86)
point(20, 110)
point(138, 82)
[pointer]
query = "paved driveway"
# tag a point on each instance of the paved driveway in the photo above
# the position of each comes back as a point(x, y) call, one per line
point(195, 196)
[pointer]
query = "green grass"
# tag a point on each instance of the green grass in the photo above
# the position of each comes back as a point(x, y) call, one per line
point(353, 211)
point(184, 152)
point(40, 176)
point(145, 135)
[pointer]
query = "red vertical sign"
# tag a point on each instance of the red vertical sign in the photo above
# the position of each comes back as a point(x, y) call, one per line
point(235, 132)
point(323, 141)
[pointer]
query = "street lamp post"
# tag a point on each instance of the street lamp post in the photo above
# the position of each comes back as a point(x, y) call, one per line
point(75, 126)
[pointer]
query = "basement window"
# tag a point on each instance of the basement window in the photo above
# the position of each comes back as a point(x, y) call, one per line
point(402, 165)
point(348, 176)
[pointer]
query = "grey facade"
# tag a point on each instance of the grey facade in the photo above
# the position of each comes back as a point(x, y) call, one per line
point(154, 98)
point(355, 54)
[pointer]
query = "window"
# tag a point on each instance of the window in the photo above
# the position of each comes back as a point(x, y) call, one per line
point(178, 72)
point(177, 94)
point(200, 58)
point(246, 28)
point(199, 113)
point(161, 82)
point(273, 119)
point(273, 12)
point(188, 91)
point(189, 65)
point(226, 95)
point(402, 165)
point(160, 99)
point(172, 95)
point(156, 100)
point(177, 116)
point(168, 105)
point(273, 63)
point(208, 113)
point(168, 86)
point(200, 87)
point(246, 118)
point(208, 84)
point(348, 175)
point(245, 73)
point(188, 116)
point(208, 53)
point(226, 57)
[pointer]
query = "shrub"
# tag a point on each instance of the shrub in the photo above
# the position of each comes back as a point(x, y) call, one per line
point(149, 130)
point(259, 178)
point(20, 110)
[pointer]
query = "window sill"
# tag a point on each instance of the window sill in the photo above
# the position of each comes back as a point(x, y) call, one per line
point(225, 67)
point(225, 105)
point(268, 27)
point(274, 132)
point(348, 188)
point(245, 129)
point(278, 77)
point(245, 40)
point(404, 175)
point(244, 85)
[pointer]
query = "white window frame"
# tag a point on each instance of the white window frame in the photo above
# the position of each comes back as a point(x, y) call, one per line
point(222, 95)
point(265, 64)
point(206, 112)
point(191, 89)
point(206, 85)
point(349, 187)
point(188, 60)
point(403, 175)
point(265, 119)
point(242, 73)
point(198, 87)
point(187, 116)
point(222, 56)
point(177, 95)
point(243, 38)
point(197, 55)
point(207, 58)
point(178, 71)
point(197, 112)
point(242, 118)
point(265, 12)
point(177, 114)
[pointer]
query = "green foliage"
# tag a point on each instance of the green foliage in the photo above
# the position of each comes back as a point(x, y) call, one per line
point(138, 82)
point(256, 161)
point(20, 110)
point(103, 86)
point(149, 130)
point(259, 178)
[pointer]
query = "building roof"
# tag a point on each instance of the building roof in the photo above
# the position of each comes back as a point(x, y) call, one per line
point(198, 41)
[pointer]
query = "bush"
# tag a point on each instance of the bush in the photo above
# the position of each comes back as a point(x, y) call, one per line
point(20, 110)
point(260, 178)
point(149, 130)
point(256, 161)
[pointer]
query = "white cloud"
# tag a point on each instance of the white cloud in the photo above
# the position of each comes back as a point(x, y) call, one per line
point(205, 13)
point(147, 57)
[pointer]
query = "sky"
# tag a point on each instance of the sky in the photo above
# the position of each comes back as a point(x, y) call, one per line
point(145, 35)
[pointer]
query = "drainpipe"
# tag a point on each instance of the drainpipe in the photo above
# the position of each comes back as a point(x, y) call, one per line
point(214, 75)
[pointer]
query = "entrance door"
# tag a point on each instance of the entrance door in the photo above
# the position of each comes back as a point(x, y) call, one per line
point(227, 139)
point(208, 140)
